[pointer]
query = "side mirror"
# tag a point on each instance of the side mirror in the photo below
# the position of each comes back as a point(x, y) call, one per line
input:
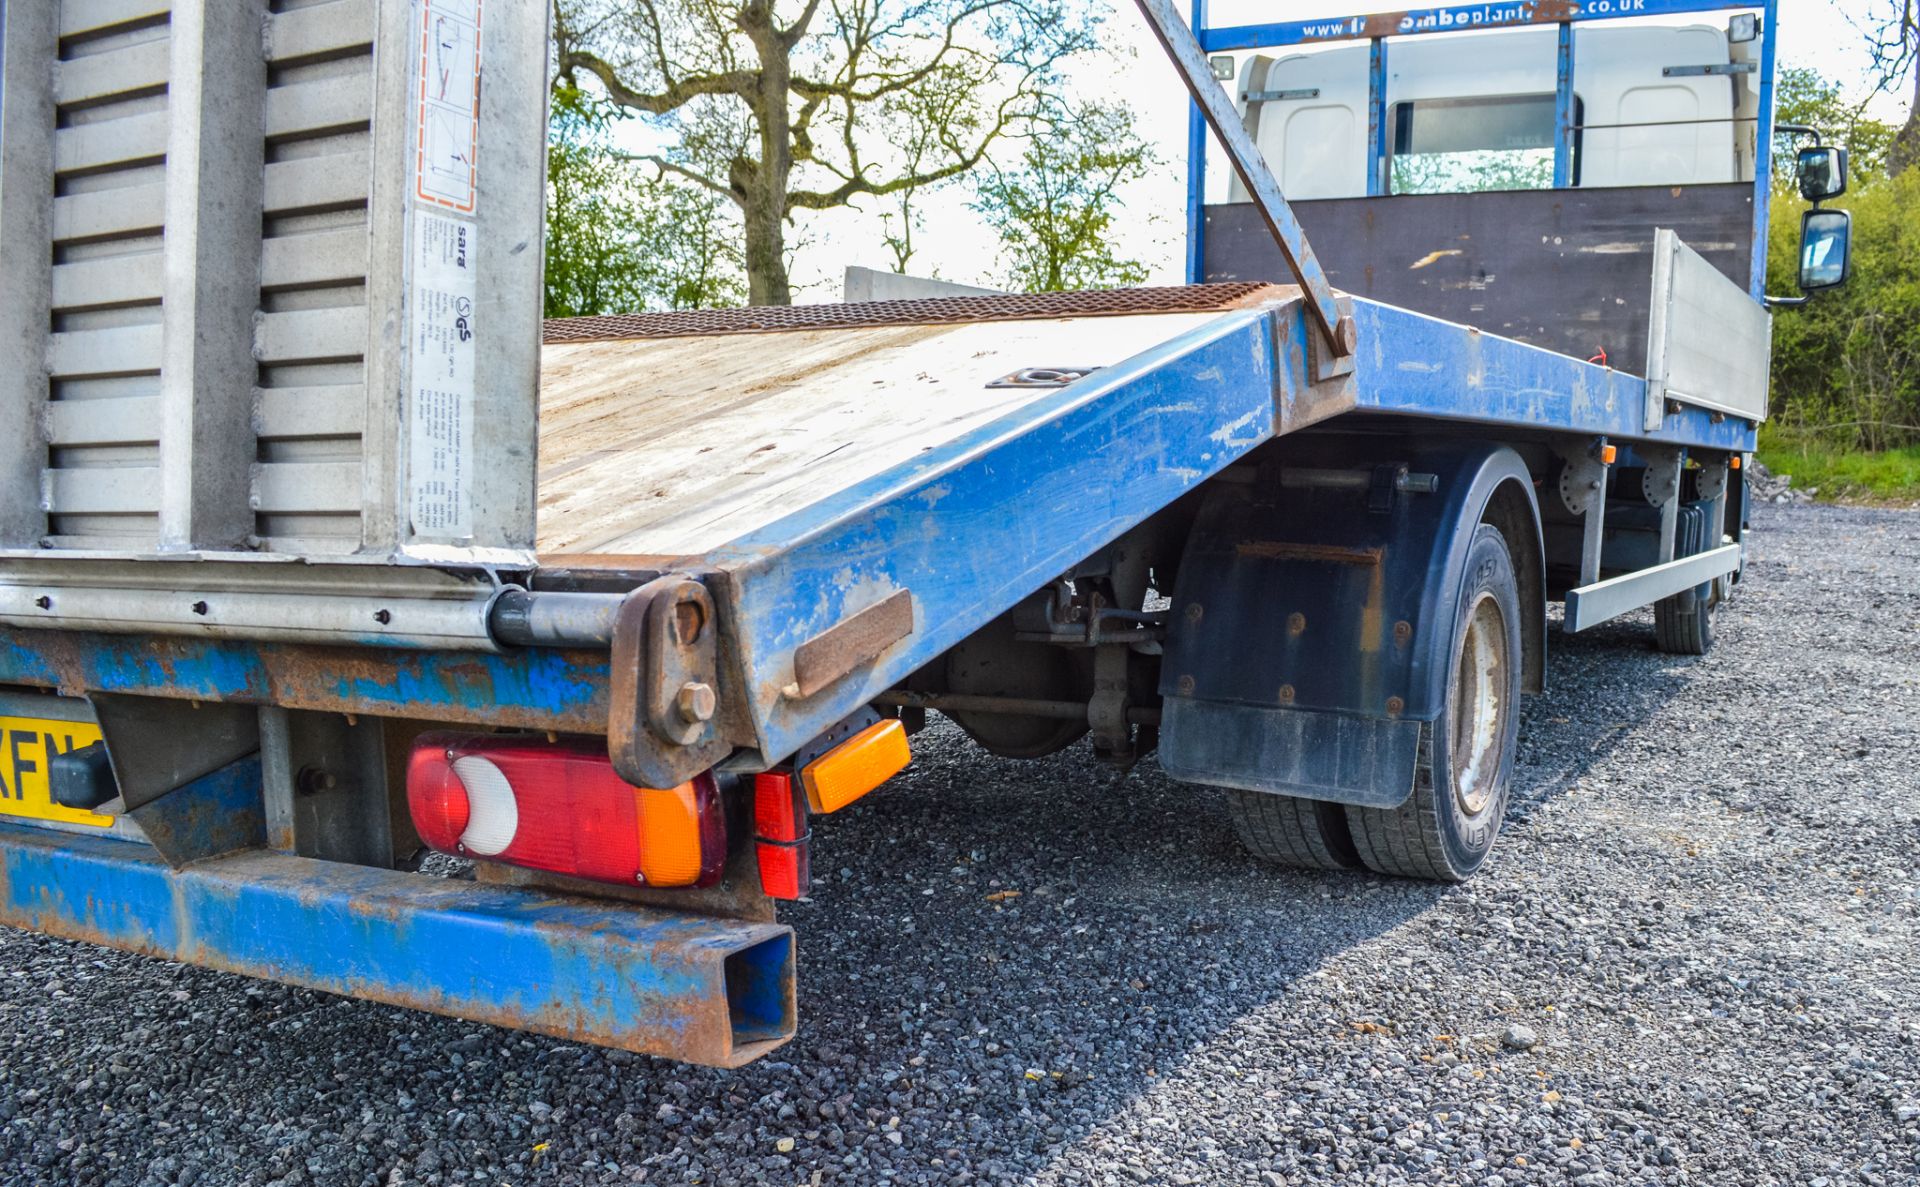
point(1822, 171)
point(1825, 236)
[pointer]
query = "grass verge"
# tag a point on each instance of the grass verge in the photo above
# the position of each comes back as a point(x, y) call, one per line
point(1891, 475)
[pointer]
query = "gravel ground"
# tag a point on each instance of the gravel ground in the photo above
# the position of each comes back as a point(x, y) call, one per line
point(1692, 960)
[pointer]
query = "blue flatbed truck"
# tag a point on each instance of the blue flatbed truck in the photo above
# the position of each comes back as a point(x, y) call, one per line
point(321, 553)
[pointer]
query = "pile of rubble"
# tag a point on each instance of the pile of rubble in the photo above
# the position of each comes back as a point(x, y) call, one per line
point(1768, 487)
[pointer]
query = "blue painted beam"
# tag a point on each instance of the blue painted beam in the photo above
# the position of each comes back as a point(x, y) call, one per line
point(1502, 14)
point(1377, 179)
point(1563, 108)
point(531, 688)
point(976, 525)
point(1196, 172)
point(618, 975)
point(1763, 155)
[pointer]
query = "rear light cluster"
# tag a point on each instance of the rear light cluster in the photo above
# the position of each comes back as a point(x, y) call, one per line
point(559, 807)
point(781, 835)
point(782, 801)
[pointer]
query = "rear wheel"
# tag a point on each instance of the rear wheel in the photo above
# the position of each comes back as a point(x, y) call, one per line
point(1305, 834)
point(1683, 623)
point(1446, 828)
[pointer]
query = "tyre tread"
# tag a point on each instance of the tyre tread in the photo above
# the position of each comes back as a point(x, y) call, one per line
point(1304, 834)
point(1406, 841)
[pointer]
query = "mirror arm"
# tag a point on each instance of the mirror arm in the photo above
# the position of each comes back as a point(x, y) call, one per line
point(1798, 130)
point(1786, 302)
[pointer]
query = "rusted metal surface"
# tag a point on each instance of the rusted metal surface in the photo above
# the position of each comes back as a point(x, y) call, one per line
point(216, 814)
point(665, 684)
point(529, 688)
point(1334, 554)
point(852, 643)
point(1194, 298)
point(1336, 330)
point(710, 991)
point(956, 702)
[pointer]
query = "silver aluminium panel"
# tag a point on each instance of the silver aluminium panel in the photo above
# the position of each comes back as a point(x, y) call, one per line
point(270, 276)
point(1707, 340)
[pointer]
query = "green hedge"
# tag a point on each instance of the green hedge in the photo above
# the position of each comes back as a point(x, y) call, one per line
point(1846, 366)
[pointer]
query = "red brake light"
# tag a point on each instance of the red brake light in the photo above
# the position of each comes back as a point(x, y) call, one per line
point(437, 800)
point(781, 835)
point(559, 806)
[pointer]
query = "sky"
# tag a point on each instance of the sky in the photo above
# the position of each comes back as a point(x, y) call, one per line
point(955, 246)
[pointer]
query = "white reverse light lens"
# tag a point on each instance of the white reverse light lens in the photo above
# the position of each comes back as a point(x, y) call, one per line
point(493, 817)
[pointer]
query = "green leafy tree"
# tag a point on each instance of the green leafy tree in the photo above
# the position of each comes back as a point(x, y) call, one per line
point(1846, 366)
point(1055, 213)
point(1472, 171)
point(778, 106)
point(620, 240)
point(1805, 96)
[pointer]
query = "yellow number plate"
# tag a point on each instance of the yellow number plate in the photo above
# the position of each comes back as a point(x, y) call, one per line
point(26, 743)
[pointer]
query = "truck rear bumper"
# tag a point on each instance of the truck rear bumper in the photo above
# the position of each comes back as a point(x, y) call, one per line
point(707, 991)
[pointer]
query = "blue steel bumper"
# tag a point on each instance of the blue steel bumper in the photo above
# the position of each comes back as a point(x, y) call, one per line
point(707, 991)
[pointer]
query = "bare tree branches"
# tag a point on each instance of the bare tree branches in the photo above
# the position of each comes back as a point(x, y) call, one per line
point(1893, 38)
point(846, 100)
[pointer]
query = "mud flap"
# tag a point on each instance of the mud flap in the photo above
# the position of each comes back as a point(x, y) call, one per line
point(1318, 756)
point(1312, 623)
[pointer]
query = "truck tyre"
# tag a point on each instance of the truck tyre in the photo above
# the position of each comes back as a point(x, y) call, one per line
point(1304, 834)
point(1683, 623)
point(1446, 828)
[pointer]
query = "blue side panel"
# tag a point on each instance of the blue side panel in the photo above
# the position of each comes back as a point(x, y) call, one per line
point(1196, 169)
point(614, 974)
point(976, 525)
point(534, 687)
point(1422, 366)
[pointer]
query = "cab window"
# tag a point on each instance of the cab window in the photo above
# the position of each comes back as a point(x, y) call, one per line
point(1451, 146)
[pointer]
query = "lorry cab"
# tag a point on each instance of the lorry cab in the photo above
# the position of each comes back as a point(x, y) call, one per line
point(1652, 105)
point(1504, 170)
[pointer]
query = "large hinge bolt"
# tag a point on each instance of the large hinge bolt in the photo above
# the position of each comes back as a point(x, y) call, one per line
point(696, 702)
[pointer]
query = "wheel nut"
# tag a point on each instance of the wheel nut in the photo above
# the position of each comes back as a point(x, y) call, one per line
point(695, 701)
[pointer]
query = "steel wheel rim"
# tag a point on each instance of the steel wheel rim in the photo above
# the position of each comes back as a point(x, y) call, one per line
point(1480, 705)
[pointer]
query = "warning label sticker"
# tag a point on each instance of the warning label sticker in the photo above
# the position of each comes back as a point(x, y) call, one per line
point(448, 150)
point(440, 452)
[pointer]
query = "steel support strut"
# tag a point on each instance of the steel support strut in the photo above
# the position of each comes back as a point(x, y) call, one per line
point(1337, 331)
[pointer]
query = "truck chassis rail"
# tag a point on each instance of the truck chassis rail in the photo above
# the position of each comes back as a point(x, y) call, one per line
point(710, 991)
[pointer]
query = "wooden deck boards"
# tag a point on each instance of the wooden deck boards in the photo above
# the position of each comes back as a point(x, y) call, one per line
point(674, 446)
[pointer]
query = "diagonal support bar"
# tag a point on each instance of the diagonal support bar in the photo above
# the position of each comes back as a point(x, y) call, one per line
point(1183, 48)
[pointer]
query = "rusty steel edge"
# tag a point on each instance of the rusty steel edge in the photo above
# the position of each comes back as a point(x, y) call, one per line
point(1219, 297)
point(525, 688)
point(682, 987)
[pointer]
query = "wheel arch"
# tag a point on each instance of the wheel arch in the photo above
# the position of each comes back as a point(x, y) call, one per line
point(1513, 508)
point(1311, 636)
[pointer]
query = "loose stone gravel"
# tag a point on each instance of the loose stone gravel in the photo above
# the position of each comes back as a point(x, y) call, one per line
point(1704, 913)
